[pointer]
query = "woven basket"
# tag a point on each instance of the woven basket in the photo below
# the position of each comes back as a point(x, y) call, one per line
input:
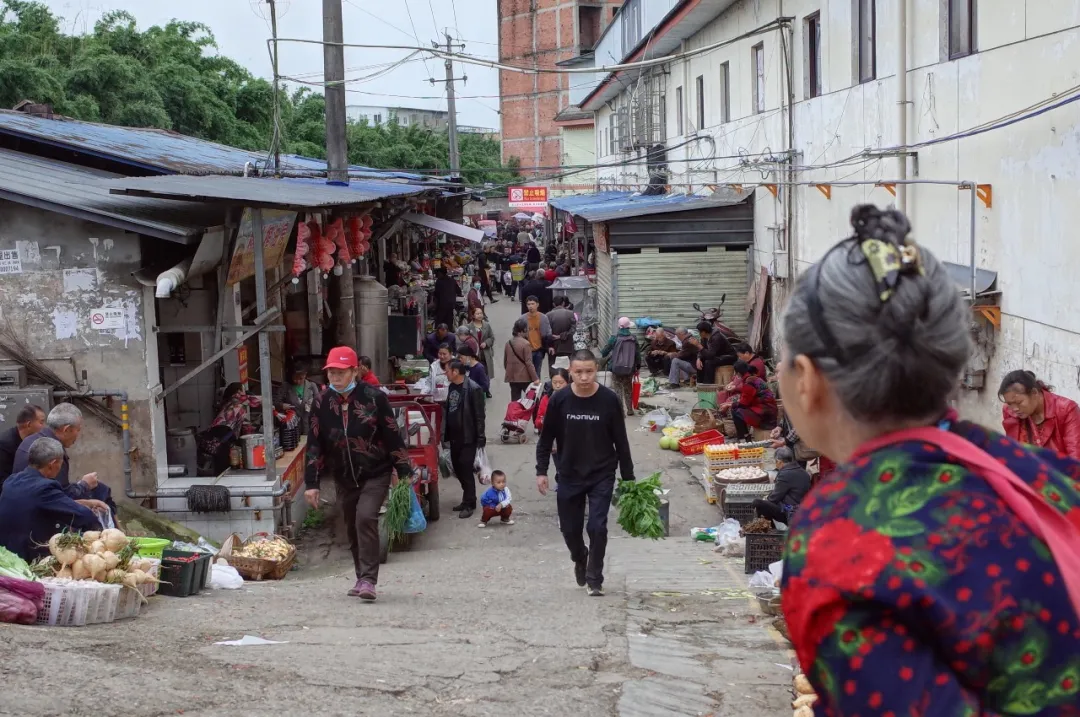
point(703, 420)
point(259, 568)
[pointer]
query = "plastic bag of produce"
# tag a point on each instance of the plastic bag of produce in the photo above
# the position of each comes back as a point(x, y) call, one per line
point(482, 467)
point(32, 591)
point(655, 420)
point(416, 522)
point(225, 577)
point(17, 609)
point(727, 533)
point(761, 579)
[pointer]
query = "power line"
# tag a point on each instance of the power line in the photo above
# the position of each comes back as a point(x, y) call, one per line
point(384, 22)
point(416, 35)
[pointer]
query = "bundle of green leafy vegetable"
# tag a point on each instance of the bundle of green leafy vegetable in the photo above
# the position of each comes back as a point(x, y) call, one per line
point(12, 566)
point(639, 507)
point(398, 507)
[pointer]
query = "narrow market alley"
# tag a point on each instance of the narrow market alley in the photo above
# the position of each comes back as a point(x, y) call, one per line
point(468, 622)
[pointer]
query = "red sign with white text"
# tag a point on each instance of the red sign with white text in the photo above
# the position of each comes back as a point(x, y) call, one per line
point(528, 197)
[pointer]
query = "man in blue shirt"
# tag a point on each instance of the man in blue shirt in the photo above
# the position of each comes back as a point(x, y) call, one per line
point(64, 423)
point(33, 506)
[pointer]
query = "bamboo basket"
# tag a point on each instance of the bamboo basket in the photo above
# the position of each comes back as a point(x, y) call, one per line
point(257, 568)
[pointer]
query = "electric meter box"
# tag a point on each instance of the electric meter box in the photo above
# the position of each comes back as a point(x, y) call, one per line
point(12, 401)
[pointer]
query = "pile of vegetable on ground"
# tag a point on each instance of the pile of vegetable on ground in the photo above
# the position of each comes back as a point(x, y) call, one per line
point(105, 556)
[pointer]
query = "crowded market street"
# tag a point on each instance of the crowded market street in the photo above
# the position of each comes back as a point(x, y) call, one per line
point(468, 622)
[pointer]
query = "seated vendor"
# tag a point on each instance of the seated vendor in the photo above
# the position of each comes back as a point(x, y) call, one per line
point(34, 507)
point(792, 485)
point(441, 335)
point(64, 423)
point(30, 419)
point(745, 353)
point(365, 371)
point(716, 351)
point(661, 351)
point(754, 406)
point(297, 392)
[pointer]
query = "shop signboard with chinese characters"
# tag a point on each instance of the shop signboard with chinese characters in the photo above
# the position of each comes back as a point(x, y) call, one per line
point(535, 198)
point(600, 237)
point(277, 227)
point(242, 363)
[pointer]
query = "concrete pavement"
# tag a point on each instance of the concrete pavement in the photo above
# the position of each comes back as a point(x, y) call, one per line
point(468, 622)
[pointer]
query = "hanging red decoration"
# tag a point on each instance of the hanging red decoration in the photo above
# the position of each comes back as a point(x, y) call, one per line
point(303, 248)
point(354, 233)
point(336, 233)
point(323, 248)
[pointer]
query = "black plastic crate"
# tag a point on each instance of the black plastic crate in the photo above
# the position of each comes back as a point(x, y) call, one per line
point(203, 561)
point(178, 576)
point(741, 511)
point(763, 549)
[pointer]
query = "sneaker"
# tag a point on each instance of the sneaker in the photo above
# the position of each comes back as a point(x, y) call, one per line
point(458, 507)
point(594, 591)
point(482, 525)
point(579, 571)
point(466, 513)
point(354, 591)
point(365, 590)
point(507, 521)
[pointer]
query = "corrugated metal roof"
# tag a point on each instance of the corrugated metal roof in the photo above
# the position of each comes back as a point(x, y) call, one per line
point(161, 150)
point(80, 192)
point(607, 206)
point(260, 192)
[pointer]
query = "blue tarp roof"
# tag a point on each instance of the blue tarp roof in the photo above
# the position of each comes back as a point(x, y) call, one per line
point(161, 150)
point(607, 206)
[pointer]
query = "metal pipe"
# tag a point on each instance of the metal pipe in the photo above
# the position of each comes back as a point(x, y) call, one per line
point(275, 493)
point(125, 425)
point(901, 98)
point(267, 390)
point(974, 198)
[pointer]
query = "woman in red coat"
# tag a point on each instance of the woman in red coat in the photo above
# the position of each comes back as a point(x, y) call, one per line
point(754, 406)
point(1034, 414)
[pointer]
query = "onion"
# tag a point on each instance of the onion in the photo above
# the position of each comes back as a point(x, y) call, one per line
point(80, 570)
point(111, 559)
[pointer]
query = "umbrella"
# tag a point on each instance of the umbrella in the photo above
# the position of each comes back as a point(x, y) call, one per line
point(522, 216)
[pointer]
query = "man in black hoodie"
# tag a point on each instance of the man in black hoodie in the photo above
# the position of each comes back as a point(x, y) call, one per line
point(444, 295)
point(587, 423)
point(533, 286)
point(715, 351)
point(792, 485)
point(30, 420)
point(463, 431)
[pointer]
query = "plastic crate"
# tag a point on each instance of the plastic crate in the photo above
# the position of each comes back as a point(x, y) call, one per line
point(740, 511)
point(692, 445)
point(103, 609)
point(763, 549)
point(150, 547)
point(202, 566)
point(65, 603)
point(178, 576)
point(129, 603)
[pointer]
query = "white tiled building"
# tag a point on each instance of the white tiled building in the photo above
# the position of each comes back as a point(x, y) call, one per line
point(762, 82)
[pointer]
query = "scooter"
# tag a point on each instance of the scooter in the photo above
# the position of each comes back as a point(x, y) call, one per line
point(714, 316)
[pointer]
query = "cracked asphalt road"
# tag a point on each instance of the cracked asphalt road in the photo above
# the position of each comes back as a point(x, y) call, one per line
point(468, 622)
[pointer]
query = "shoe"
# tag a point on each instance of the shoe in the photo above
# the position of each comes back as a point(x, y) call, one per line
point(354, 591)
point(507, 521)
point(487, 394)
point(579, 571)
point(365, 590)
point(482, 525)
point(673, 386)
point(466, 513)
point(494, 301)
point(594, 591)
point(458, 507)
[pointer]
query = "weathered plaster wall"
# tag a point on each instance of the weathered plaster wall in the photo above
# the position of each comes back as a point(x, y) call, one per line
point(67, 268)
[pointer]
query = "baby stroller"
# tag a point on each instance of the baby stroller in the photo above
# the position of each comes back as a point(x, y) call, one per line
point(519, 414)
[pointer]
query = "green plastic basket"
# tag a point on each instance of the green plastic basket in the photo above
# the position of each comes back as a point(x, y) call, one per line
point(151, 547)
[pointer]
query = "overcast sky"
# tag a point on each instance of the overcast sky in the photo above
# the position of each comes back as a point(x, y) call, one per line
point(243, 26)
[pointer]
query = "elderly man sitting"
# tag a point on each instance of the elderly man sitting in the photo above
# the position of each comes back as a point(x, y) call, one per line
point(64, 423)
point(33, 506)
point(792, 485)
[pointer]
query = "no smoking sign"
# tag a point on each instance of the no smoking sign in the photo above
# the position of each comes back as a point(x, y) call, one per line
point(107, 319)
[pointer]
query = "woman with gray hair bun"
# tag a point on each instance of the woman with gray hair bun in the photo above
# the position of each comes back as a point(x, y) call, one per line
point(937, 571)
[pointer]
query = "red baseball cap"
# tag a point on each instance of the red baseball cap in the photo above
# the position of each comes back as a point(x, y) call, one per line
point(341, 357)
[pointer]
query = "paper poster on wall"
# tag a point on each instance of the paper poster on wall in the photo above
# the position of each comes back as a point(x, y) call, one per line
point(107, 318)
point(10, 262)
point(277, 226)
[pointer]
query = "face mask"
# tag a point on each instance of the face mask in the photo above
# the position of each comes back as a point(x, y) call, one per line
point(476, 286)
point(348, 388)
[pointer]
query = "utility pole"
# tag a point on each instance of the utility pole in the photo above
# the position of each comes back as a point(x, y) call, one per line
point(337, 163)
point(451, 107)
point(275, 133)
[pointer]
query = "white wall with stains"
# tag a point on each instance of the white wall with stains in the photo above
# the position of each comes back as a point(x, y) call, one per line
point(63, 271)
point(1026, 52)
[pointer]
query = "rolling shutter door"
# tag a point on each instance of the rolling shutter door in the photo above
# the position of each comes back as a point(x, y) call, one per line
point(665, 285)
point(605, 291)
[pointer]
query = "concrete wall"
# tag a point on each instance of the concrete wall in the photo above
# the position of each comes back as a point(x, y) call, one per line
point(69, 268)
point(579, 148)
point(1026, 52)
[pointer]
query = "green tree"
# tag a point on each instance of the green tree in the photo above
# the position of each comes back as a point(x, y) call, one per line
point(173, 77)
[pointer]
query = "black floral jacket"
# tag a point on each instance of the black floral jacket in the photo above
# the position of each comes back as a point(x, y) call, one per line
point(360, 427)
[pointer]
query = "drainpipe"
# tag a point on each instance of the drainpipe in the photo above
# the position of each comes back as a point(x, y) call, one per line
point(902, 102)
point(129, 489)
point(974, 208)
point(168, 281)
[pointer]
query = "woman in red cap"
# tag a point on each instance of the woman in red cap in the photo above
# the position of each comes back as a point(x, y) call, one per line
point(353, 435)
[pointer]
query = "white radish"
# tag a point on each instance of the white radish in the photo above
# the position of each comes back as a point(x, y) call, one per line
point(90, 536)
point(65, 573)
point(97, 547)
point(80, 570)
point(802, 685)
point(66, 556)
point(111, 559)
point(115, 576)
point(115, 540)
point(131, 580)
point(96, 565)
